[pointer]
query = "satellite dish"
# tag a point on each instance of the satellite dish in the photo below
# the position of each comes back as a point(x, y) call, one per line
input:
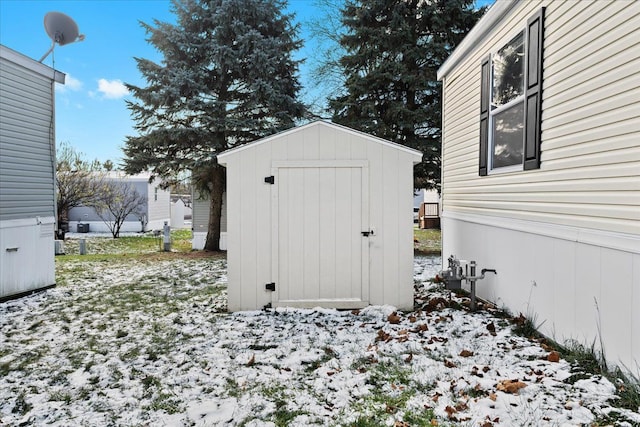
point(61, 29)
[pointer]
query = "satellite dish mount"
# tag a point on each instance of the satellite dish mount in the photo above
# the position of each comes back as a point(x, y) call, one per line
point(61, 29)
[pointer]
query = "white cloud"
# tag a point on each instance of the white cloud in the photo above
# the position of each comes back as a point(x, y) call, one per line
point(70, 84)
point(112, 89)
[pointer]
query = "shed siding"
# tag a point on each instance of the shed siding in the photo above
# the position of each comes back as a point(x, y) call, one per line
point(26, 134)
point(590, 171)
point(251, 224)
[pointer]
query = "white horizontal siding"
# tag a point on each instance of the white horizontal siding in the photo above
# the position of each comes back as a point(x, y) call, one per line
point(590, 169)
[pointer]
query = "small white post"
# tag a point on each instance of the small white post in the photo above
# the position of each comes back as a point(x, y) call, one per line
point(167, 237)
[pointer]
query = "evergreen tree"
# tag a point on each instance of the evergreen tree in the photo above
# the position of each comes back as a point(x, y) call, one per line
point(394, 49)
point(227, 78)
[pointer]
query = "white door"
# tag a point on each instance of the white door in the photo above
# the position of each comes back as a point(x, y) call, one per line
point(320, 254)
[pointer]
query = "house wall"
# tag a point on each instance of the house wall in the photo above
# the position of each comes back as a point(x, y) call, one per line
point(27, 168)
point(200, 222)
point(590, 122)
point(565, 238)
point(157, 208)
point(250, 216)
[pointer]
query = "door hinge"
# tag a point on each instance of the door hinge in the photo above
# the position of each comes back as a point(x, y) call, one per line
point(270, 179)
point(270, 286)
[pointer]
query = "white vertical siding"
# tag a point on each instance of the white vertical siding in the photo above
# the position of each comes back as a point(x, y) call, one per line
point(390, 248)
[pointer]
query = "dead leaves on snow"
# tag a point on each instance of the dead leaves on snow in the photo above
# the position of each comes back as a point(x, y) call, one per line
point(510, 386)
point(554, 356)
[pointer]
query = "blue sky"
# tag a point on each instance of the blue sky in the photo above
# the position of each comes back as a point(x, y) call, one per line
point(90, 108)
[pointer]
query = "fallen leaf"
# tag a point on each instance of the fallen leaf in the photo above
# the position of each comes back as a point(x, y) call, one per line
point(421, 328)
point(493, 396)
point(450, 411)
point(554, 356)
point(393, 318)
point(510, 386)
point(355, 312)
point(491, 328)
point(466, 353)
point(382, 336)
point(409, 358)
point(413, 319)
point(252, 360)
point(449, 364)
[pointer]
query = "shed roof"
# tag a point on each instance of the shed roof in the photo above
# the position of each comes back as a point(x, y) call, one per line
point(231, 152)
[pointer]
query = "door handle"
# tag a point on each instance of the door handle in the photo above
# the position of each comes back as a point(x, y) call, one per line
point(367, 233)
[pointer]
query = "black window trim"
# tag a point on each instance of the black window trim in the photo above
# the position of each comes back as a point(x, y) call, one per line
point(534, 36)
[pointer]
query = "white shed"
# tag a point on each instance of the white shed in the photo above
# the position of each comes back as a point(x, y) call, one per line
point(320, 215)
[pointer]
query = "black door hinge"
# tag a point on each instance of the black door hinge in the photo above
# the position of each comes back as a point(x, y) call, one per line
point(270, 286)
point(270, 179)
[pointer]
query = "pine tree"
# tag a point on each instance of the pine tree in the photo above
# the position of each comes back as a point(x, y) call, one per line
point(227, 78)
point(394, 49)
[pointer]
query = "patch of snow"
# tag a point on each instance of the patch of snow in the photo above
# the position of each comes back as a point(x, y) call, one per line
point(149, 343)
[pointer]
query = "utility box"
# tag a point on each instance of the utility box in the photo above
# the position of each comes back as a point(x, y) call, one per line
point(320, 216)
point(83, 228)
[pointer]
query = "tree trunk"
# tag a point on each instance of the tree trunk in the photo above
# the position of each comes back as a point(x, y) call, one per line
point(215, 208)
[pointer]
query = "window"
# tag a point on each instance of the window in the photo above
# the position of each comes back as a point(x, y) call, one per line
point(510, 103)
point(155, 194)
point(507, 104)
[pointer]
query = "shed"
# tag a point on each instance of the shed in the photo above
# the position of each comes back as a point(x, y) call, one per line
point(541, 166)
point(320, 215)
point(27, 174)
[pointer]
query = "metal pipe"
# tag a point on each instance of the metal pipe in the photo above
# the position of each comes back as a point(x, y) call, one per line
point(472, 280)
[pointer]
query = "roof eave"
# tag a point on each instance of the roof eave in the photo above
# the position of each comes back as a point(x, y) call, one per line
point(484, 26)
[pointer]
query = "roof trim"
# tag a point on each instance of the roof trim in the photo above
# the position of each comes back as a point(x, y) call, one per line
point(482, 28)
point(222, 156)
point(31, 64)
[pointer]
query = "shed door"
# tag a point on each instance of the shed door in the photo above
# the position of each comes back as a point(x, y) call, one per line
point(320, 256)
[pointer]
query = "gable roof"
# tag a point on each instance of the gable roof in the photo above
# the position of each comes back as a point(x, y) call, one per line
point(296, 129)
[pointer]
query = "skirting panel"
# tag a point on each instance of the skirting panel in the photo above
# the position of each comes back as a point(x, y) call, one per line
point(573, 290)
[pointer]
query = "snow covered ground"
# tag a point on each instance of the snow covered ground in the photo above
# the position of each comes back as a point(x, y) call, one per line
point(147, 342)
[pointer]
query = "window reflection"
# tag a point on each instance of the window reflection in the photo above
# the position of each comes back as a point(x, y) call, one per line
point(508, 136)
point(508, 72)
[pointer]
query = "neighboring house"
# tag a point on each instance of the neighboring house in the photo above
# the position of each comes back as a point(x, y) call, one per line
point(27, 173)
point(320, 215)
point(431, 198)
point(155, 212)
point(541, 166)
point(200, 220)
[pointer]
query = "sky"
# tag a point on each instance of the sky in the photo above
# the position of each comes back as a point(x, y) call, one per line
point(91, 114)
